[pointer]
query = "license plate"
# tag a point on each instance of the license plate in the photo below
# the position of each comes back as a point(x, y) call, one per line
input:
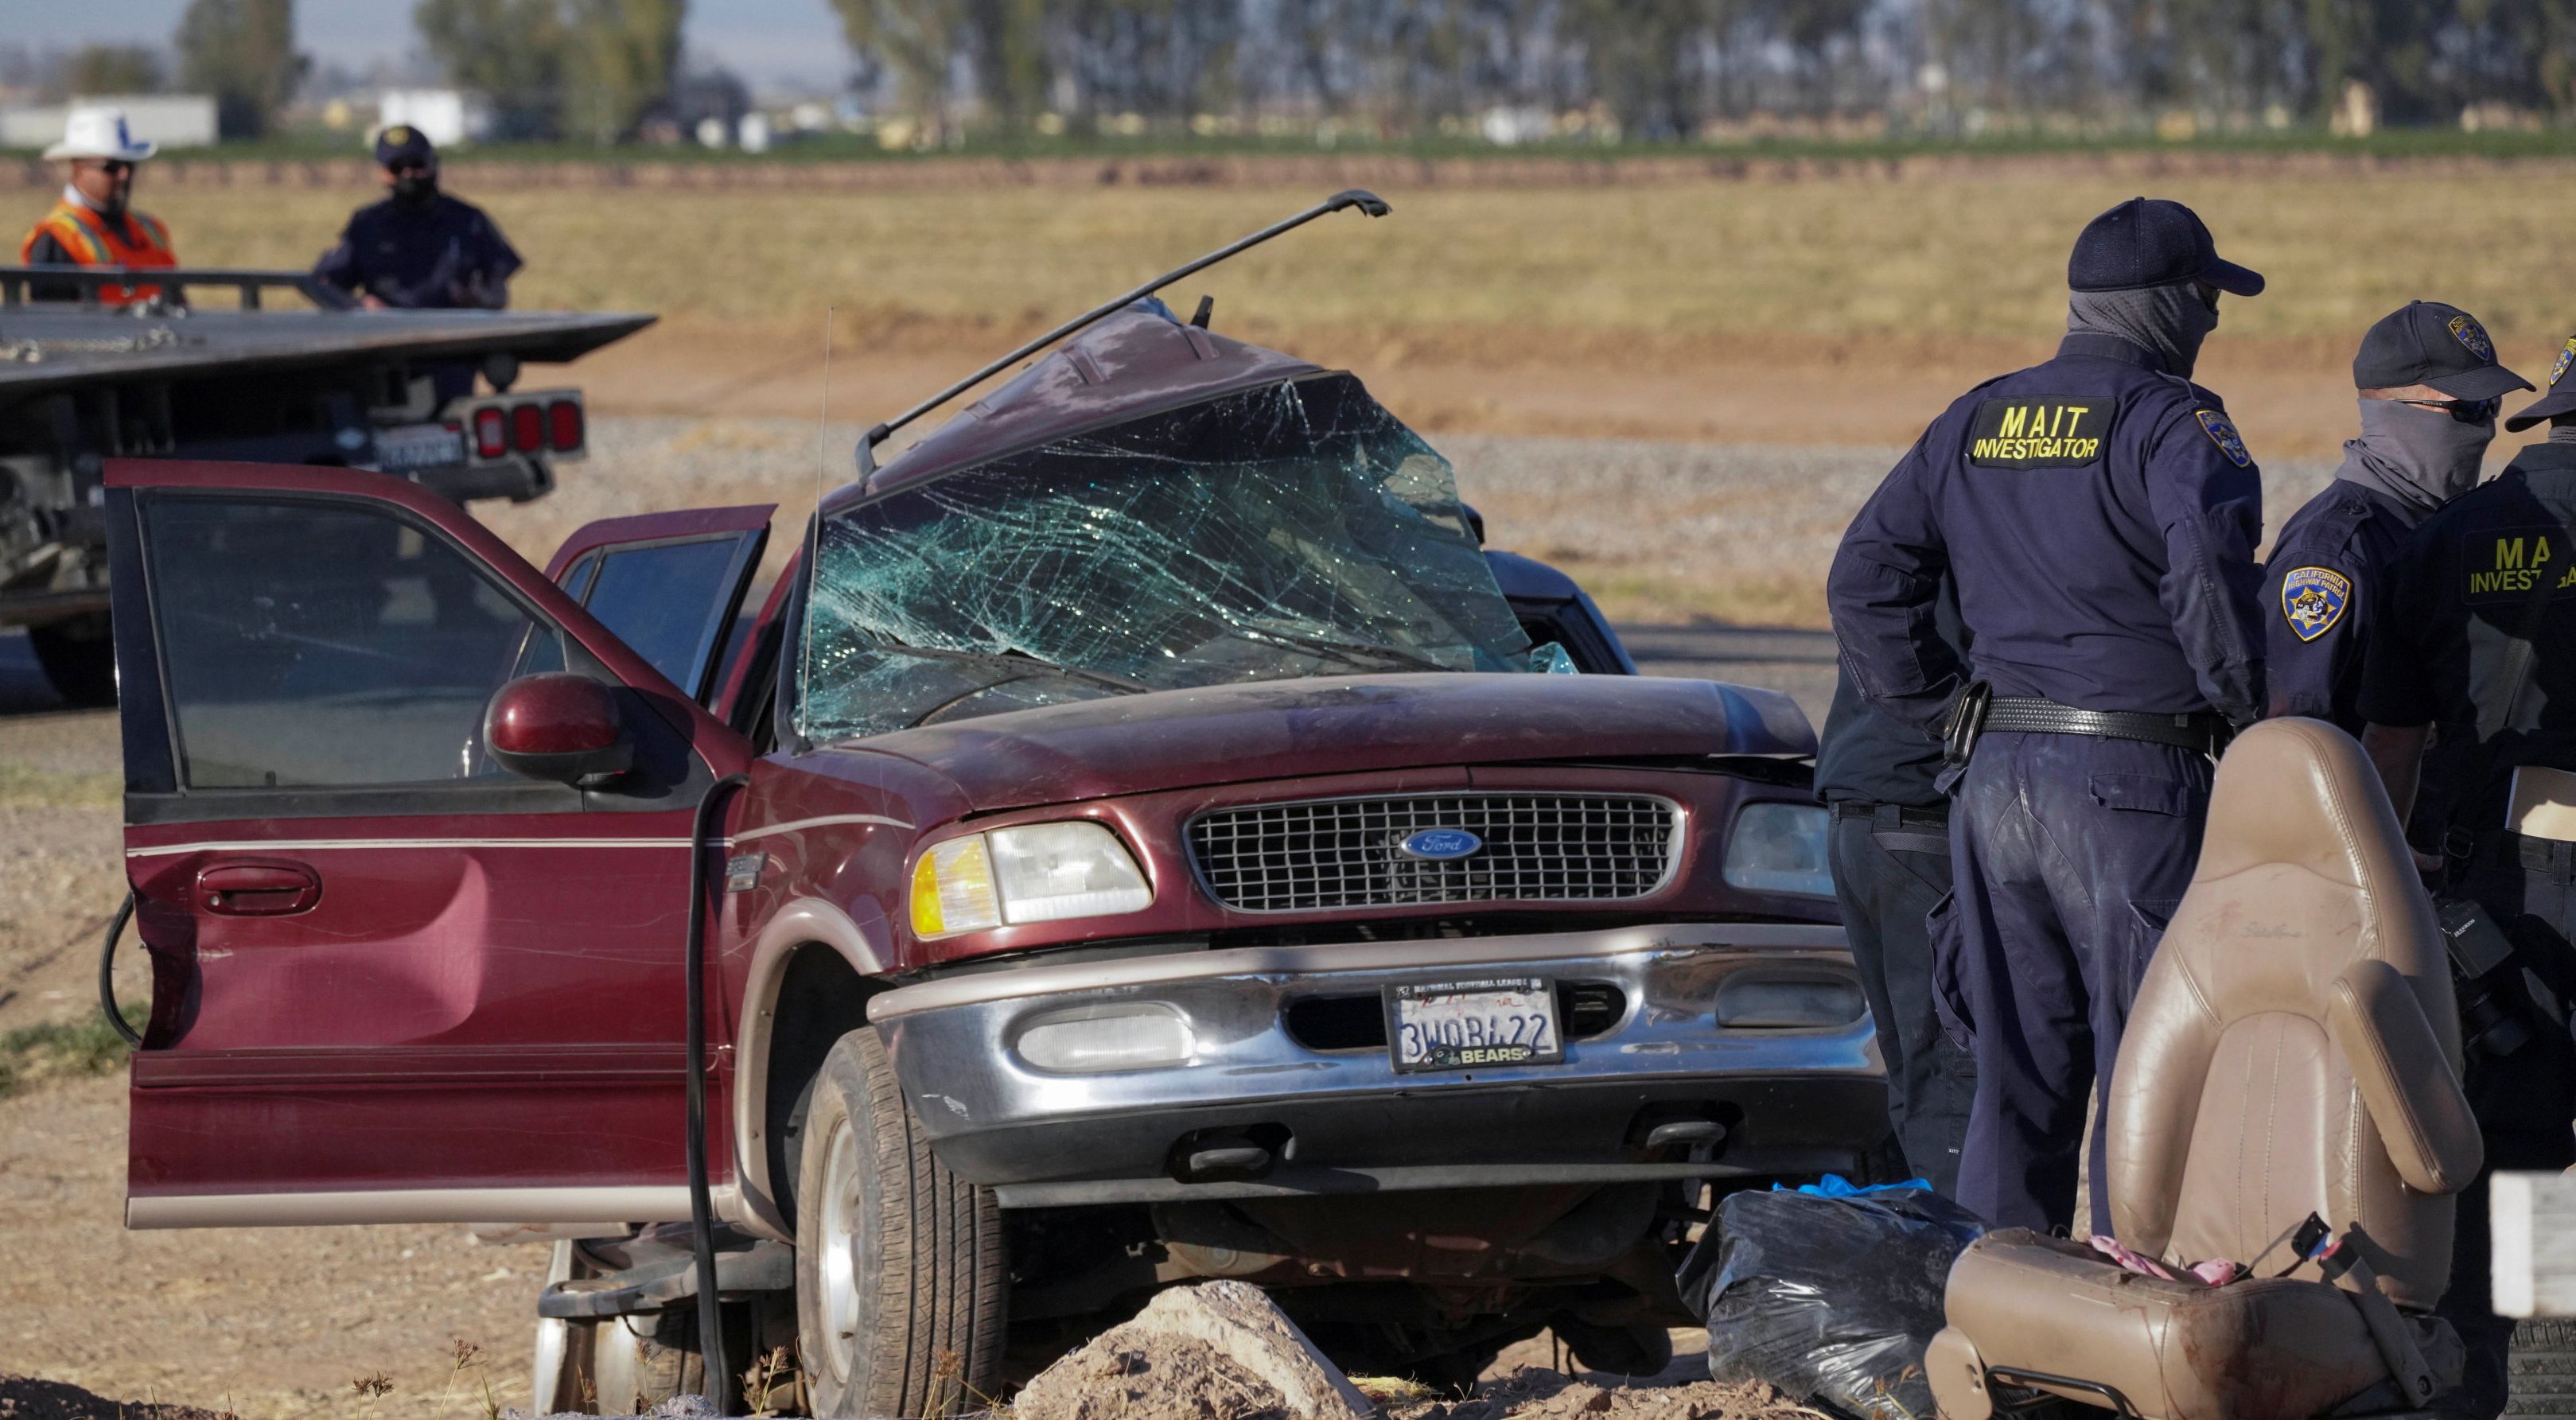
point(419, 446)
point(1459, 1025)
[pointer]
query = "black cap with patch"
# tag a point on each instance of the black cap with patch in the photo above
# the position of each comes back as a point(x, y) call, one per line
point(2429, 343)
point(402, 146)
point(2148, 241)
point(2561, 398)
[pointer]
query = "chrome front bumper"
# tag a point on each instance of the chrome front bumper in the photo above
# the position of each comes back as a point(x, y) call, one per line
point(1791, 1100)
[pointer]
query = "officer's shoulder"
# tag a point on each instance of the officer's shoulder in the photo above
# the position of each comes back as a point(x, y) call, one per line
point(2324, 525)
point(372, 213)
point(457, 209)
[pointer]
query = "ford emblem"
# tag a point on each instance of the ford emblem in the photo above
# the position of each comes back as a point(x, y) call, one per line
point(1440, 845)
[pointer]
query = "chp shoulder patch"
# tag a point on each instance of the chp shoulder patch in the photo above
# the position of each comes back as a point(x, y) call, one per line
point(2566, 357)
point(2473, 335)
point(2313, 599)
point(2224, 435)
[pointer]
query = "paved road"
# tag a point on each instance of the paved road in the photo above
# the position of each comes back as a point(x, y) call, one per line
point(1799, 662)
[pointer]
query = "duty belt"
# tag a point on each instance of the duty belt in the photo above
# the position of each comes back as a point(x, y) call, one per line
point(2201, 730)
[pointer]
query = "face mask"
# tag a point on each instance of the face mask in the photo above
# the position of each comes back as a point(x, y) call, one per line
point(415, 189)
point(2423, 457)
point(2171, 320)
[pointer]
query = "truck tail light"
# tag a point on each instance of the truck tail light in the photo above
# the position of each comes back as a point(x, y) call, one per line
point(491, 437)
point(527, 428)
point(563, 425)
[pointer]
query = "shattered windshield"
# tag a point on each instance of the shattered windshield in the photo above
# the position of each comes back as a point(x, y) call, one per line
point(1292, 530)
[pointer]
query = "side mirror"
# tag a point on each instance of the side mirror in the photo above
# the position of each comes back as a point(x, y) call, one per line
point(557, 726)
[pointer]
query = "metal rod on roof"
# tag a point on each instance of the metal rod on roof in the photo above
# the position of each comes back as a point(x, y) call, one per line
point(1367, 202)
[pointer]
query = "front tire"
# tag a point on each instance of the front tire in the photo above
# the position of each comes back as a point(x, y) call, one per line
point(79, 659)
point(899, 1280)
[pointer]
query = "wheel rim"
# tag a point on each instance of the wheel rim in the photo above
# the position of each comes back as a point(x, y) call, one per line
point(840, 1260)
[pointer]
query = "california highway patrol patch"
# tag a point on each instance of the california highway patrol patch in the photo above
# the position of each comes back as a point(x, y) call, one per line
point(2566, 357)
point(2313, 599)
point(2474, 336)
point(2224, 435)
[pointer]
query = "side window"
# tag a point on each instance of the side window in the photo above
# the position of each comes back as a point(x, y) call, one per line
point(670, 602)
point(316, 644)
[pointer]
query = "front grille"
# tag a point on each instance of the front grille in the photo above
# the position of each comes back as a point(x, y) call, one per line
point(1342, 853)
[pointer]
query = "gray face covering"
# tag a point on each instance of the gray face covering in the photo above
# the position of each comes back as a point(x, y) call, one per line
point(2170, 320)
point(2421, 457)
point(2562, 430)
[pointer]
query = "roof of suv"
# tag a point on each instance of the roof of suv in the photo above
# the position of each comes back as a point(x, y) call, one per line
point(1133, 363)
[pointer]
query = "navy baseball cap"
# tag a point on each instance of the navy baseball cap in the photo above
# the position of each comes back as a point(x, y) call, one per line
point(401, 145)
point(2147, 241)
point(2429, 343)
point(2561, 398)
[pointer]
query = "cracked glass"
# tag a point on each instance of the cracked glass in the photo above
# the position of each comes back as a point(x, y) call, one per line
point(1296, 529)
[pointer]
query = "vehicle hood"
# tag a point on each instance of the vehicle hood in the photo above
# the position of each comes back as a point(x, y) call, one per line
point(1175, 739)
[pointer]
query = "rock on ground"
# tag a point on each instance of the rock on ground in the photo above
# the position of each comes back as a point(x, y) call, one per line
point(1216, 1351)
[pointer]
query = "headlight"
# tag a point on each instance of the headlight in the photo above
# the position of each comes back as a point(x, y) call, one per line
point(1092, 1039)
point(1039, 872)
point(1781, 848)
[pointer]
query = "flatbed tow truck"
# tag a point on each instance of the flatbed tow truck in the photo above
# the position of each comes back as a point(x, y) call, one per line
point(318, 381)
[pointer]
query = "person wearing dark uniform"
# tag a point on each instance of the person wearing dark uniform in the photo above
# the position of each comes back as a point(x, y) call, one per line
point(2325, 586)
point(1891, 864)
point(419, 249)
point(2098, 514)
point(2476, 656)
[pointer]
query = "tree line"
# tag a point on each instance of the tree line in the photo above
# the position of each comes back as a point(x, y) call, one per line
point(598, 70)
point(1671, 68)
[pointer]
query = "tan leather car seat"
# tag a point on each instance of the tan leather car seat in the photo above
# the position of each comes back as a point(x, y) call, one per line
point(2293, 1049)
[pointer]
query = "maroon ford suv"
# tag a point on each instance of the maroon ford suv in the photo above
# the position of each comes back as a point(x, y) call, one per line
point(1164, 854)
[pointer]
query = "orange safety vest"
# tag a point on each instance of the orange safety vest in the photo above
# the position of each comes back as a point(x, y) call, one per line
point(93, 242)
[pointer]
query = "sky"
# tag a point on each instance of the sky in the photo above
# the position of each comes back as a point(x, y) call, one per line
point(772, 44)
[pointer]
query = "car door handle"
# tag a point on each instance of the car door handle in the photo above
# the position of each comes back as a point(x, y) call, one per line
point(259, 889)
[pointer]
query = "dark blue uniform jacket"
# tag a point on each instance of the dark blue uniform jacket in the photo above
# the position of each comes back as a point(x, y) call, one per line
point(447, 254)
point(1867, 758)
point(2438, 655)
point(2324, 589)
point(2099, 516)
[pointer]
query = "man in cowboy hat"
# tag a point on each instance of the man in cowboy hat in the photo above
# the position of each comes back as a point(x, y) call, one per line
point(92, 224)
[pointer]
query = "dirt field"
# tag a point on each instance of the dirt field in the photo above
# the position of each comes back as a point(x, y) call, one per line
point(1677, 393)
point(1829, 310)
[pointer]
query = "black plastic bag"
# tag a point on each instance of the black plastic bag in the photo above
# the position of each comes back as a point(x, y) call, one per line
point(1830, 1297)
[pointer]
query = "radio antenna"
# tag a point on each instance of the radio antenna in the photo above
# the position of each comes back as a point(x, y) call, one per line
point(1368, 202)
point(814, 540)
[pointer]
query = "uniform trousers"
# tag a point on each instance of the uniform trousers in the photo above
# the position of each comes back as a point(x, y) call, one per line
point(2071, 853)
point(1891, 868)
point(2525, 1102)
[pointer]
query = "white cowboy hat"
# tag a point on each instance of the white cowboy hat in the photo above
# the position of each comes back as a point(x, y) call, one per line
point(99, 133)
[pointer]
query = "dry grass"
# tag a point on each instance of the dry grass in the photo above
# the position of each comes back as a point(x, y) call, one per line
point(1977, 257)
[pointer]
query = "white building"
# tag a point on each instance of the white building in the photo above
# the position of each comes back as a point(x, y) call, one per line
point(171, 120)
point(446, 116)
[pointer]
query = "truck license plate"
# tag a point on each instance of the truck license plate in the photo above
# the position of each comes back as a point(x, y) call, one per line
point(1458, 1025)
point(410, 446)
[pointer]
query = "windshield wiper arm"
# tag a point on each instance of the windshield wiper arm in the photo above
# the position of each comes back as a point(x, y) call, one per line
point(1357, 653)
point(1020, 661)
